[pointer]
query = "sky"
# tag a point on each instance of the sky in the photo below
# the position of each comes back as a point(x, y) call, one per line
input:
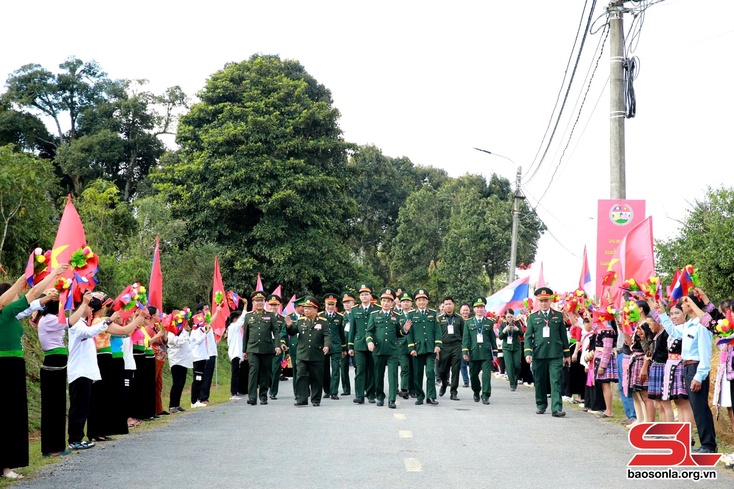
point(433, 80)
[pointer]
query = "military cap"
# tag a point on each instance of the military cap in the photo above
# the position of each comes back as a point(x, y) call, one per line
point(309, 301)
point(405, 296)
point(274, 299)
point(257, 295)
point(479, 301)
point(347, 296)
point(330, 298)
point(387, 293)
point(544, 293)
point(364, 288)
point(420, 293)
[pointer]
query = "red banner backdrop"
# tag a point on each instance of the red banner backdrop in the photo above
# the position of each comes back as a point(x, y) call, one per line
point(615, 217)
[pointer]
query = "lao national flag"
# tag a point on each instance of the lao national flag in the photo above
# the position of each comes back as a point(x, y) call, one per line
point(219, 325)
point(510, 297)
point(585, 278)
point(290, 308)
point(155, 287)
point(682, 285)
point(70, 237)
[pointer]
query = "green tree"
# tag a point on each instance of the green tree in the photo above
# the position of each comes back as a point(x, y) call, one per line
point(108, 220)
point(26, 208)
point(705, 240)
point(262, 172)
point(27, 132)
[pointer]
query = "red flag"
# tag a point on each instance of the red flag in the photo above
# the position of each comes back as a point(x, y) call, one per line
point(636, 252)
point(259, 285)
point(155, 286)
point(290, 308)
point(70, 237)
point(219, 325)
point(585, 278)
point(541, 278)
point(279, 292)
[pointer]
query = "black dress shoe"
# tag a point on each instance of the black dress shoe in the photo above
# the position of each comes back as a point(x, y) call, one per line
point(346, 393)
point(540, 411)
point(316, 404)
point(273, 397)
point(404, 394)
point(454, 397)
point(413, 395)
point(358, 400)
point(476, 397)
point(371, 401)
point(512, 389)
point(300, 404)
point(442, 390)
point(391, 404)
point(705, 450)
point(164, 413)
point(432, 401)
point(485, 400)
point(334, 396)
point(263, 400)
point(252, 401)
point(466, 384)
point(418, 402)
point(380, 403)
point(558, 414)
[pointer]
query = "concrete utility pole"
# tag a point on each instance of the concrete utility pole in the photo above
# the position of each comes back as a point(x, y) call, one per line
point(515, 222)
point(518, 196)
point(618, 185)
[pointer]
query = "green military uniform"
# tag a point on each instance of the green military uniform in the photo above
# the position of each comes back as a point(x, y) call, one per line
point(452, 330)
point(313, 336)
point(275, 302)
point(510, 334)
point(423, 337)
point(260, 331)
point(364, 374)
point(546, 341)
point(480, 344)
point(333, 362)
point(347, 326)
point(292, 342)
point(383, 331)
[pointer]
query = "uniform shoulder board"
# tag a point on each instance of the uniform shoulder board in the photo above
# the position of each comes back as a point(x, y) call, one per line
point(441, 315)
point(375, 312)
point(323, 318)
point(340, 314)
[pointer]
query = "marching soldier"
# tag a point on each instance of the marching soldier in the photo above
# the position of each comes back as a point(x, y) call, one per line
point(383, 331)
point(546, 346)
point(260, 331)
point(479, 346)
point(274, 302)
point(407, 384)
point(347, 304)
point(292, 341)
point(452, 329)
point(333, 362)
point(314, 339)
point(364, 381)
point(424, 345)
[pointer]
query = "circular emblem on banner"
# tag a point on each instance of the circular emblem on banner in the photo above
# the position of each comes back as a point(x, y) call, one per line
point(621, 214)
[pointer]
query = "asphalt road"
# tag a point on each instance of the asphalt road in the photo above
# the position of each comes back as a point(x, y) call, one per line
point(342, 444)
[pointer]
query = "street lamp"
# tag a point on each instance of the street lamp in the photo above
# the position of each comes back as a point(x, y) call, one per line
point(515, 212)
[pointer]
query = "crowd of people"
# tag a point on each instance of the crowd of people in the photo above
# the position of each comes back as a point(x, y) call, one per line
point(112, 363)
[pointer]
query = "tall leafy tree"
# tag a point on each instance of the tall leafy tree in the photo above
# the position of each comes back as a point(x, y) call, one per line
point(262, 172)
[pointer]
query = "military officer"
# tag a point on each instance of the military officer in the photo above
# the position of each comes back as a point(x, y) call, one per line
point(364, 375)
point(274, 302)
point(424, 345)
point(452, 329)
point(260, 332)
point(479, 345)
point(347, 304)
point(510, 333)
point(383, 331)
point(546, 346)
point(292, 340)
point(407, 384)
point(314, 340)
point(333, 362)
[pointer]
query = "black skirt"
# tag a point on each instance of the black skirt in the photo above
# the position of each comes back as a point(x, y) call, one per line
point(53, 404)
point(99, 420)
point(14, 413)
point(116, 389)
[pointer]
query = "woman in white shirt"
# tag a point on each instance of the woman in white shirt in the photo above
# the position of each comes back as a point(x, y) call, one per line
point(180, 360)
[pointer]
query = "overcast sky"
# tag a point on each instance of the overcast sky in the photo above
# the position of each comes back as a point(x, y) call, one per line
point(431, 80)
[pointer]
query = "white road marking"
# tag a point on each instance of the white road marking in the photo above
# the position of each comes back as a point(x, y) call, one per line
point(399, 416)
point(413, 465)
point(405, 434)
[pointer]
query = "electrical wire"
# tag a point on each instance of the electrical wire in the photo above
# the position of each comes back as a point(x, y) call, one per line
point(553, 235)
point(563, 83)
point(631, 71)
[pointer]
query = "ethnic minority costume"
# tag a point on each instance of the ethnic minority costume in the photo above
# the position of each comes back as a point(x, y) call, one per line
point(604, 355)
point(51, 335)
point(641, 349)
point(14, 407)
point(674, 386)
point(656, 374)
point(100, 408)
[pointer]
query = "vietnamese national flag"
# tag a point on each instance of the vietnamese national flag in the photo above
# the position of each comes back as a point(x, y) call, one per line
point(70, 237)
point(510, 297)
point(219, 325)
point(155, 286)
point(636, 253)
point(585, 278)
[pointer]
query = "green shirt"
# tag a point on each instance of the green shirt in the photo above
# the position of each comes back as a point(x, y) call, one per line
point(384, 331)
point(474, 330)
point(11, 331)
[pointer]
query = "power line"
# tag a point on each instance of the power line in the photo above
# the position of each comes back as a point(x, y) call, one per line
point(568, 89)
point(552, 235)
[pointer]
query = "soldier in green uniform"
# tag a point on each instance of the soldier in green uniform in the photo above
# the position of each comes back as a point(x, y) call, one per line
point(274, 301)
point(260, 331)
point(510, 334)
point(364, 375)
point(383, 331)
point(452, 328)
point(314, 339)
point(292, 341)
point(546, 346)
point(407, 384)
point(479, 345)
point(347, 304)
point(333, 362)
point(424, 345)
